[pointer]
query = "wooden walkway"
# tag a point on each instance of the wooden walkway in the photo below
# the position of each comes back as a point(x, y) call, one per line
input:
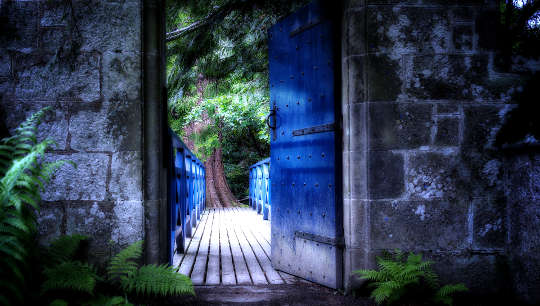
point(231, 246)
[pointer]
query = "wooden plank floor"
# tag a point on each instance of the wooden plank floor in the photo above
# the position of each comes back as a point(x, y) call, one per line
point(231, 246)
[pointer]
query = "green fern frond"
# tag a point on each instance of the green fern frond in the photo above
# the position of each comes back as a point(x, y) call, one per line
point(65, 247)
point(158, 280)
point(124, 263)
point(444, 294)
point(70, 275)
point(102, 300)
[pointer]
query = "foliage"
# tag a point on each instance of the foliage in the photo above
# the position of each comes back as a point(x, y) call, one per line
point(221, 70)
point(146, 280)
point(519, 42)
point(400, 279)
point(76, 281)
point(23, 175)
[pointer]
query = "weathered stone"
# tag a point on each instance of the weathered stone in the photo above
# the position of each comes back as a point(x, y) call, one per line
point(5, 64)
point(50, 222)
point(109, 26)
point(418, 225)
point(383, 78)
point(55, 13)
point(399, 125)
point(463, 37)
point(85, 182)
point(356, 89)
point(357, 126)
point(18, 25)
point(431, 176)
point(54, 39)
point(480, 273)
point(54, 125)
point(358, 166)
point(447, 108)
point(356, 233)
point(395, 30)
point(456, 77)
point(111, 126)
point(95, 220)
point(128, 220)
point(447, 132)
point(356, 40)
point(386, 177)
point(126, 176)
point(47, 77)
point(489, 223)
point(121, 76)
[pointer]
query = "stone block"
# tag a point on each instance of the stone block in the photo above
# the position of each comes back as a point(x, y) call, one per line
point(464, 14)
point(420, 225)
point(356, 211)
point(55, 13)
point(447, 108)
point(489, 223)
point(129, 222)
point(399, 125)
point(449, 77)
point(54, 124)
point(126, 176)
point(109, 25)
point(95, 220)
point(432, 176)
point(346, 175)
point(18, 25)
point(5, 64)
point(356, 32)
point(358, 175)
point(357, 127)
point(55, 40)
point(385, 175)
point(384, 81)
point(481, 273)
point(49, 222)
point(356, 66)
point(47, 77)
point(447, 132)
point(121, 76)
point(398, 30)
point(85, 182)
point(111, 126)
point(462, 37)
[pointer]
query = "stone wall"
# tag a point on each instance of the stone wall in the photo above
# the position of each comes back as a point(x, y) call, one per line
point(83, 58)
point(423, 98)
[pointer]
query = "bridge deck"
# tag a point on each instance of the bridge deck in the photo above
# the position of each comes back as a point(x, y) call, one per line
point(230, 246)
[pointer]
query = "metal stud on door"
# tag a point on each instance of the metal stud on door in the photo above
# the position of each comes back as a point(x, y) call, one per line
point(306, 207)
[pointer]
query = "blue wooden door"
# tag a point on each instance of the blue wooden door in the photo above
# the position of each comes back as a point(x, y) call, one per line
point(305, 182)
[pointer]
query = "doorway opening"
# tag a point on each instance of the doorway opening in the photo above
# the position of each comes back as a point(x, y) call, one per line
point(252, 85)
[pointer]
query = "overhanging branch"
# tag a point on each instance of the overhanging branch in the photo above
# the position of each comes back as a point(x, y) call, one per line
point(215, 16)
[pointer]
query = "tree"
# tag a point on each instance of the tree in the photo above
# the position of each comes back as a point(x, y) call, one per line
point(218, 85)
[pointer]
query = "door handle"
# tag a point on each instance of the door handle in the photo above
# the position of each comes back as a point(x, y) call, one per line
point(269, 118)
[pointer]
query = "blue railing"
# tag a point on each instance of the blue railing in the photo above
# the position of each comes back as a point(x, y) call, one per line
point(259, 187)
point(187, 194)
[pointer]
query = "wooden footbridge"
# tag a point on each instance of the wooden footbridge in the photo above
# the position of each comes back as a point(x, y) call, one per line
point(230, 246)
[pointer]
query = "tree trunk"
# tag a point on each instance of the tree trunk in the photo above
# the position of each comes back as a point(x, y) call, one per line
point(218, 193)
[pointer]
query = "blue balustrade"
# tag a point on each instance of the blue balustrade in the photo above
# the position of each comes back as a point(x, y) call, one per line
point(186, 194)
point(259, 187)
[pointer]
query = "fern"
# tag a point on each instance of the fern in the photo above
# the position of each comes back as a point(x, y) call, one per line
point(23, 175)
point(70, 275)
point(64, 248)
point(158, 280)
point(398, 277)
point(123, 265)
point(146, 280)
